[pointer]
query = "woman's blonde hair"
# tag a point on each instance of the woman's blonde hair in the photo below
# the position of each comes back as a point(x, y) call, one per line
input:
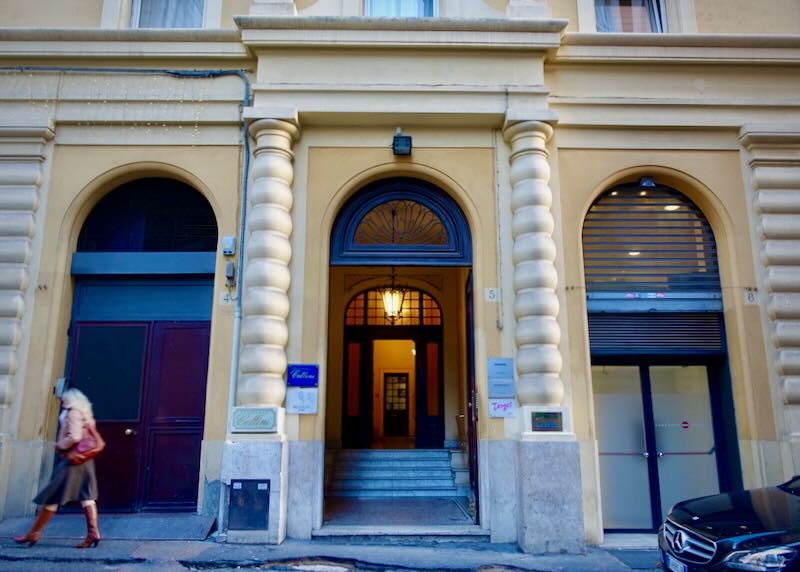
point(75, 399)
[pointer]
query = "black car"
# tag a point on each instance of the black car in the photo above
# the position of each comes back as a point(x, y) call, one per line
point(755, 530)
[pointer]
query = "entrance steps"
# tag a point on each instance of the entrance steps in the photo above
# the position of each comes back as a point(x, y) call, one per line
point(403, 535)
point(373, 473)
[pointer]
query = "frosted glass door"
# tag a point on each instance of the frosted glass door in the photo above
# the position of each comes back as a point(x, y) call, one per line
point(619, 414)
point(684, 433)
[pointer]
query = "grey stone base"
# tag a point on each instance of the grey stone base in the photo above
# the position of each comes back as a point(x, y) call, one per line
point(549, 497)
point(262, 460)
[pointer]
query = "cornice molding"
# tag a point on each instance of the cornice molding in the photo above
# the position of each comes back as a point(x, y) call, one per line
point(408, 33)
point(59, 44)
point(402, 24)
point(677, 48)
point(771, 136)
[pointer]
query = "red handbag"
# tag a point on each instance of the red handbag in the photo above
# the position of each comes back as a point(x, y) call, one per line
point(90, 445)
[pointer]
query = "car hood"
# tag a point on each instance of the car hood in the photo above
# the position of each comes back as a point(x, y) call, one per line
point(757, 515)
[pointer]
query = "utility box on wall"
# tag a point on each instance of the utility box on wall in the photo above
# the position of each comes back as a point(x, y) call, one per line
point(249, 505)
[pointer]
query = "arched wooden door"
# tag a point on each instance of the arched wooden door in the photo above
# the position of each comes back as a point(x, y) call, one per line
point(139, 340)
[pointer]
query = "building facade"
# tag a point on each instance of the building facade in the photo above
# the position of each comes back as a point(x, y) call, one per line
point(588, 208)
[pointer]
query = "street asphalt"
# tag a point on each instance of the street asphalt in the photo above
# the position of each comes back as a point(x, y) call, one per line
point(307, 556)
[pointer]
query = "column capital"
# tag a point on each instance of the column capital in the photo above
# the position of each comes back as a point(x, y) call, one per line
point(261, 126)
point(514, 130)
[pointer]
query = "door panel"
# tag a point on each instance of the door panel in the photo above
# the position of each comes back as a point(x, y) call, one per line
point(147, 383)
point(655, 429)
point(472, 398)
point(176, 397)
point(107, 364)
point(624, 481)
point(430, 417)
point(687, 460)
point(395, 404)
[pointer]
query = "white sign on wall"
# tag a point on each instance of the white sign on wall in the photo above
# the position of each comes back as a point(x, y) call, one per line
point(502, 408)
point(302, 400)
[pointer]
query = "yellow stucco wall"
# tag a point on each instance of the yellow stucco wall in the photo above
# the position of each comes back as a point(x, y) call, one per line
point(712, 179)
point(566, 10)
point(77, 185)
point(231, 8)
point(50, 13)
point(747, 17)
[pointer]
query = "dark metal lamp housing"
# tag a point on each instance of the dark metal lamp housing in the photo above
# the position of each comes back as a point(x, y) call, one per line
point(401, 144)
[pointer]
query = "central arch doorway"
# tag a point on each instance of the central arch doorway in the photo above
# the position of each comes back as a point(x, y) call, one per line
point(400, 420)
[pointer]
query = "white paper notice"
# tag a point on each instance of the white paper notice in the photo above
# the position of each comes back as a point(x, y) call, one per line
point(502, 408)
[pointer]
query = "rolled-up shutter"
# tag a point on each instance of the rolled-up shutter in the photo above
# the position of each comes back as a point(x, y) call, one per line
point(652, 276)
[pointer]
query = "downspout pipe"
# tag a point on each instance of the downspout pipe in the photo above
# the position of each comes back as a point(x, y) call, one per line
point(194, 74)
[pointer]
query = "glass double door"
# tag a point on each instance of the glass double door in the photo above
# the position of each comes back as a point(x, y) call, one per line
point(656, 440)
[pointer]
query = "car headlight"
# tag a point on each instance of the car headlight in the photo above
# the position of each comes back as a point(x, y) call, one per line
point(761, 560)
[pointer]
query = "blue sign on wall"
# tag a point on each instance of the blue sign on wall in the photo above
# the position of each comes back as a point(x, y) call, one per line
point(302, 375)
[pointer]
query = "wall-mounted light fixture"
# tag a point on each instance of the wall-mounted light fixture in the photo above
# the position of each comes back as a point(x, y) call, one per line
point(647, 182)
point(401, 144)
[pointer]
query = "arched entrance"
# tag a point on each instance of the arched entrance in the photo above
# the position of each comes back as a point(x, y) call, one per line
point(139, 339)
point(662, 391)
point(400, 364)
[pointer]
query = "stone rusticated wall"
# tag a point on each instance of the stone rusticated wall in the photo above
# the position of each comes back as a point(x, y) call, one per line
point(21, 158)
point(773, 169)
point(774, 160)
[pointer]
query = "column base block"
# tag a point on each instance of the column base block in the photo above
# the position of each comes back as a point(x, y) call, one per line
point(265, 460)
point(549, 497)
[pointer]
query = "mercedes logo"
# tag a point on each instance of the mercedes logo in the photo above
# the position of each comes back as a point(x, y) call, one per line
point(680, 542)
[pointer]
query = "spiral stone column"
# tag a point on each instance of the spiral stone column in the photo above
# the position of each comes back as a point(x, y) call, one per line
point(535, 279)
point(257, 448)
point(549, 503)
point(265, 304)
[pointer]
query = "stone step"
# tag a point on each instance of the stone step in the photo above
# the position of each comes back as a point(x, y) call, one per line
point(393, 473)
point(393, 454)
point(392, 484)
point(399, 493)
point(395, 463)
point(402, 535)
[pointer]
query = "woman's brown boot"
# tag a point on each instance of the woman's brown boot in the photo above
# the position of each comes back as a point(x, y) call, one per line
point(35, 533)
point(92, 530)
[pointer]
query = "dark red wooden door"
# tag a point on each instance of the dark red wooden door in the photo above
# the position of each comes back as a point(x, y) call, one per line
point(147, 383)
point(175, 407)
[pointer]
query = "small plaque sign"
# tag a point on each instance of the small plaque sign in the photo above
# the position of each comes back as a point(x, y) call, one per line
point(546, 421)
point(502, 368)
point(302, 375)
point(301, 400)
point(254, 420)
point(499, 387)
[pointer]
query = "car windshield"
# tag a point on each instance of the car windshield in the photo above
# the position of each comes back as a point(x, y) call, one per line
point(792, 487)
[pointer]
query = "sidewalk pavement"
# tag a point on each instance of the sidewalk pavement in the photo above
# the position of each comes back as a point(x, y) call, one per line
point(58, 554)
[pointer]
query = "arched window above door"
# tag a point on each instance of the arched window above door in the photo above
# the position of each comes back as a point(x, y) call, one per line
point(150, 215)
point(401, 221)
point(648, 247)
point(148, 226)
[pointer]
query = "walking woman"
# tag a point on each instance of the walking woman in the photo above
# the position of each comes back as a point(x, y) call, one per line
point(70, 482)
